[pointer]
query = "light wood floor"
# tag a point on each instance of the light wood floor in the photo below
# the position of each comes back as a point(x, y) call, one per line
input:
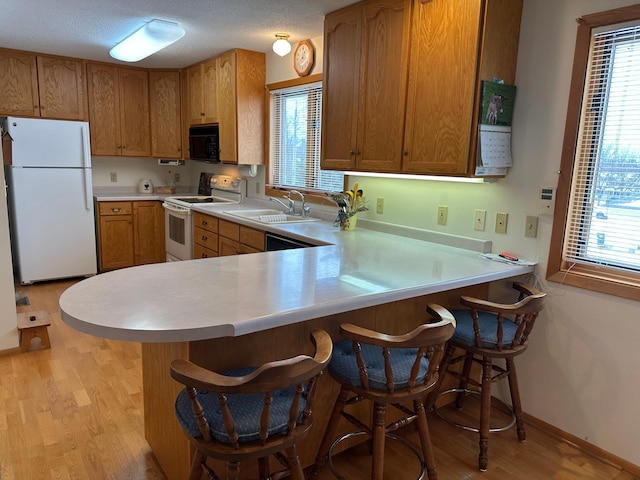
point(75, 411)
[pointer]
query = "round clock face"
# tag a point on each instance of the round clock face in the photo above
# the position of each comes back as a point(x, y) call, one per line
point(303, 58)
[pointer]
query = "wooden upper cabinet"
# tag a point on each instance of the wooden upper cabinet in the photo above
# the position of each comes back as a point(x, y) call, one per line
point(41, 86)
point(240, 99)
point(417, 82)
point(134, 112)
point(118, 110)
point(365, 85)
point(104, 109)
point(444, 95)
point(61, 84)
point(164, 109)
point(341, 73)
point(202, 93)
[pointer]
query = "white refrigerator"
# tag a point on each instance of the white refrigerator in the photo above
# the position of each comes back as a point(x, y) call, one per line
point(50, 199)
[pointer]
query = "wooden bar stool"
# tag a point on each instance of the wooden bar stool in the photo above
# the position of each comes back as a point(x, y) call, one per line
point(387, 370)
point(33, 325)
point(485, 332)
point(250, 413)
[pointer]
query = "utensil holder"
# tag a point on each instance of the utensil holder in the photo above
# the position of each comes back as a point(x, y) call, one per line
point(349, 224)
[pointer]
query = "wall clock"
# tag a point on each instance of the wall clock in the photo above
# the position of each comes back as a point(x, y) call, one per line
point(303, 58)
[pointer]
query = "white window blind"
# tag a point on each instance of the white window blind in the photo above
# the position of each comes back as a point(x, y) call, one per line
point(296, 118)
point(603, 223)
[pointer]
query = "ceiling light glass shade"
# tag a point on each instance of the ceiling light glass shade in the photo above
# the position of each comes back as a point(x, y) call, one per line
point(281, 46)
point(152, 37)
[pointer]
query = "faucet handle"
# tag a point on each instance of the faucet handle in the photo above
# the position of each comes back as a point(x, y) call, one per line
point(305, 210)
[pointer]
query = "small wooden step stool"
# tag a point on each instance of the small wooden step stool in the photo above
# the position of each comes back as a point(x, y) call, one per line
point(32, 325)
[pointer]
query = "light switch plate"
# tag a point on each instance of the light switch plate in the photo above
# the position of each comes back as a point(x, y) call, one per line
point(531, 226)
point(501, 222)
point(479, 217)
point(442, 214)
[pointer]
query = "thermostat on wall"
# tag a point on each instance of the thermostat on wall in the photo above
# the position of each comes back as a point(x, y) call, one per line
point(547, 201)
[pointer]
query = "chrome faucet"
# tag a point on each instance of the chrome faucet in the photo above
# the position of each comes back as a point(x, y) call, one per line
point(303, 209)
point(290, 208)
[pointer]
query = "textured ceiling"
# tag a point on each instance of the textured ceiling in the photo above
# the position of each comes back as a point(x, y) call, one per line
point(89, 28)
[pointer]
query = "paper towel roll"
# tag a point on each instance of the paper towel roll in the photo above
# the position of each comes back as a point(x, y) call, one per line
point(248, 170)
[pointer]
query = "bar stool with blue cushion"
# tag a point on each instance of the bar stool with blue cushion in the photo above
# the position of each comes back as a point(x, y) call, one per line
point(484, 332)
point(387, 370)
point(250, 413)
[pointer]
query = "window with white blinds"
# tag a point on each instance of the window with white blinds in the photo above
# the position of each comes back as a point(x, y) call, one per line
point(603, 225)
point(295, 133)
point(595, 242)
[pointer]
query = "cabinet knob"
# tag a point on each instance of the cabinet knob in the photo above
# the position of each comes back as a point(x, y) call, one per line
point(115, 210)
point(204, 239)
point(204, 222)
point(352, 152)
point(36, 106)
point(202, 114)
point(405, 153)
point(42, 107)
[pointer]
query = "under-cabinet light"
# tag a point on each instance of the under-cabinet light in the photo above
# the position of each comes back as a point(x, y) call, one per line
point(149, 39)
point(421, 177)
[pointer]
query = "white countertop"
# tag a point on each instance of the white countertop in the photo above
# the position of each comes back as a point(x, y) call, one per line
point(237, 295)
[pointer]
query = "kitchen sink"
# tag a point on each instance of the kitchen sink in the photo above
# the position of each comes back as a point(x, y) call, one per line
point(270, 216)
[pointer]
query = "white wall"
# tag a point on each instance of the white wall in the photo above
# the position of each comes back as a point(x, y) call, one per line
point(8, 319)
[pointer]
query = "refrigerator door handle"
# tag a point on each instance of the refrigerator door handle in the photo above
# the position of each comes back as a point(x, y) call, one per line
point(86, 160)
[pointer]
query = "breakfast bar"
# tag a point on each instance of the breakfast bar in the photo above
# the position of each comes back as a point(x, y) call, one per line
point(234, 311)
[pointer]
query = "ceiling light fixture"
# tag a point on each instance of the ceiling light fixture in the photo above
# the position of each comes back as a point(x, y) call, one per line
point(282, 46)
point(150, 38)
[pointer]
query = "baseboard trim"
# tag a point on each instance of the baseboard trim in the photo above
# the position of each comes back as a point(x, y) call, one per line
point(10, 351)
point(585, 446)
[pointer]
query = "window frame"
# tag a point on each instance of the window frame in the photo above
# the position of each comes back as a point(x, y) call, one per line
point(311, 196)
point(598, 278)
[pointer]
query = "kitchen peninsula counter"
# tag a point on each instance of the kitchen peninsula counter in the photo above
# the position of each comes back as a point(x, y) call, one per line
point(233, 311)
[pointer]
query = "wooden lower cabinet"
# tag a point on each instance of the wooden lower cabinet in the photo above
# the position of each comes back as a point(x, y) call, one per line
point(205, 236)
point(235, 239)
point(130, 233)
point(168, 442)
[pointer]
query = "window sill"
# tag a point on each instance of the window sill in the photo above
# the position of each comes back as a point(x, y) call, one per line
point(599, 279)
point(310, 196)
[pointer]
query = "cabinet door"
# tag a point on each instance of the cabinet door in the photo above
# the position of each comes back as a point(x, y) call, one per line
point(116, 242)
point(382, 101)
point(442, 86)
point(341, 73)
point(62, 88)
point(18, 84)
point(164, 109)
point(250, 81)
point(226, 98)
point(227, 246)
point(104, 112)
point(209, 90)
point(134, 112)
point(148, 235)
point(196, 100)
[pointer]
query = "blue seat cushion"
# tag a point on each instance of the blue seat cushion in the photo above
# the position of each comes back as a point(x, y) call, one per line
point(488, 323)
point(245, 409)
point(343, 365)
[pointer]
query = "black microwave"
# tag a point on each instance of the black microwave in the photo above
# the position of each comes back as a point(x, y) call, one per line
point(204, 143)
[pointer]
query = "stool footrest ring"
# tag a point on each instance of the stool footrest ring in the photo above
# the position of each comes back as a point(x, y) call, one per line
point(468, 427)
point(406, 443)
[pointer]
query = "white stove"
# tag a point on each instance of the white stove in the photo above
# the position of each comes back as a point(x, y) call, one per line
point(178, 218)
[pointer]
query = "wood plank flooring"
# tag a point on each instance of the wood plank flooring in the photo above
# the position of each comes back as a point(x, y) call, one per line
point(75, 411)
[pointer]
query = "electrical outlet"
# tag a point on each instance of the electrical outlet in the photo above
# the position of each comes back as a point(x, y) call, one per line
point(380, 205)
point(442, 214)
point(501, 222)
point(176, 177)
point(479, 217)
point(114, 176)
point(531, 226)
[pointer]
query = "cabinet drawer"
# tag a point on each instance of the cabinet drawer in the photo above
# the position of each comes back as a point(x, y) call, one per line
point(202, 252)
point(229, 230)
point(115, 208)
point(205, 238)
point(252, 238)
point(206, 222)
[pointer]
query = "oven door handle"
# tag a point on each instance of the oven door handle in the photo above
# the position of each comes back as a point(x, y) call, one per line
point(177, 211)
